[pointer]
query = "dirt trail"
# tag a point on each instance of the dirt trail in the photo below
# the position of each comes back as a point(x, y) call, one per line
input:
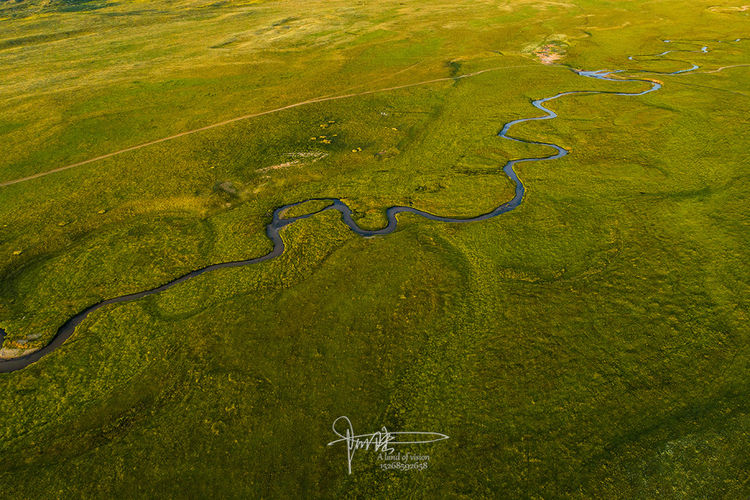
point(254, 115)
point(725, 67)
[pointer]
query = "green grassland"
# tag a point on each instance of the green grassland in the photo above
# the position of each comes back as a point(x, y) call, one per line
point(592, 343)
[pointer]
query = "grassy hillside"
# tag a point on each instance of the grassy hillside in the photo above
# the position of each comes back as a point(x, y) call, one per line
point(592, 343)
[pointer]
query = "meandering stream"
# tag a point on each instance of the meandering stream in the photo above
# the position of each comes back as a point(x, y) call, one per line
point(279, 221)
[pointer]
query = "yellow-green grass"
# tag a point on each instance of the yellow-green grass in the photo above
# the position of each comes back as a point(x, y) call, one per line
point(592, 343)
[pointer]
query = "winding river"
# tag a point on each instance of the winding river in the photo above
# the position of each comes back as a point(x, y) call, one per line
point(279, 221)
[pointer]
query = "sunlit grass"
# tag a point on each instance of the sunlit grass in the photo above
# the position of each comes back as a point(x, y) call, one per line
point(590, 343)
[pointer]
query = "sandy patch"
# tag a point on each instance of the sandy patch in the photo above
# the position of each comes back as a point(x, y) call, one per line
point(8, 353)
point(280, 165)
point(742, 8)
point(550, 58)
point(548, 54)
point(311, 156)
point(552, 49)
